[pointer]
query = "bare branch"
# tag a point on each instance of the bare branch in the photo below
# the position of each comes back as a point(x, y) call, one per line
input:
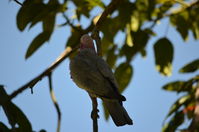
point(31, 83)
point(94, 113)
point(54, 102)
point(19, 3)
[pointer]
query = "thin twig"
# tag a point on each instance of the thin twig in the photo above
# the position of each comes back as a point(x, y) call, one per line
point(54, 102)
point(94, 113)
point(18, 2)
point(31, 83)
point(95, 35)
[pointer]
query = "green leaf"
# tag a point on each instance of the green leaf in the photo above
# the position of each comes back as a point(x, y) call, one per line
point(175, 122)
point(129, 39)
point(190, 67)
point(140, 39)
point(123, 75)
point(180, 21)
point(106, 113)
point(111, 56)
point(183, 101)
point(174, 86)
point(163, 50)
point(28, 12)
point(37, 42)
point(49, 23)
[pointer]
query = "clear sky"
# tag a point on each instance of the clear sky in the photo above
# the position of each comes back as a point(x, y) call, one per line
point(146, 103)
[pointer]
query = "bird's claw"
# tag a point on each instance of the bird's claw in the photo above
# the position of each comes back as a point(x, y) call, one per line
point(94, 114)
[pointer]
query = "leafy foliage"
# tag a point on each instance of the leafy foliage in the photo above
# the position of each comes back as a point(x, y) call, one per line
point(135, 20)
point(17, 119)
point(184, 107)
point(163, 56)
point(191, 67)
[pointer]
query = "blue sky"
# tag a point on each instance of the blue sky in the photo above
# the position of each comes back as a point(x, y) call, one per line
point(146, 103)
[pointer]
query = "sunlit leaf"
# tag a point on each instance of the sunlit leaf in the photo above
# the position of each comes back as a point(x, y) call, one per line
point(191, 67)
point(123, 75)
point(163, 50)
point(175, 86)
point(129, 39)
point(182, 101)
point(37, 43)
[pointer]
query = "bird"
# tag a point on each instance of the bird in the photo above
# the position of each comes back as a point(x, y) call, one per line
point(91, 73)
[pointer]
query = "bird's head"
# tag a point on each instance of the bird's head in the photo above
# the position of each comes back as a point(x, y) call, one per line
point(86, 42)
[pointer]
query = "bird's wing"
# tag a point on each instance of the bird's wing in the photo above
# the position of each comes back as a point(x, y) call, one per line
point(107, 73)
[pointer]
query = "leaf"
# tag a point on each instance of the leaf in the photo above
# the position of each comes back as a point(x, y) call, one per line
point(175, 122)
point(163, 50)
point(28, 12)
point(183, 101)
point(37, 42)
point(106, 113)
point(181, 22)
point(14, 114)
point(111, 56)
point(129, 39)
point(140, 39)
point(49, 23)
point(123, 75)
point(3, 127)
point(190, 67)
point(174, 86)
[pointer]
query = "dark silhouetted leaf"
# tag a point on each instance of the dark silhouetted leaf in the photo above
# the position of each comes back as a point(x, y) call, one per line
point(42, 130)
point(4, 128)
point(176, 121)
point(177, 86)
point(37, 42)
point(123, 75)
point(14, 114)
point(163, 50)
point(49, 23)
point(28, 12)
point(140, 39)
point(191, 67)
point(181, 23)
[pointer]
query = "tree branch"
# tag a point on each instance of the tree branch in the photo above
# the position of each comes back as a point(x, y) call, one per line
point(31, 83)
point(54, 102)
point(19, 3)
point(94, 113)
point(95, 32)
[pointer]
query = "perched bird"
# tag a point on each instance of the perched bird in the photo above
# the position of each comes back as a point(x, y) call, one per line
point(91, 73)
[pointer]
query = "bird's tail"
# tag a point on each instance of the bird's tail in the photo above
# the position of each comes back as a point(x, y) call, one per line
point(117, 112)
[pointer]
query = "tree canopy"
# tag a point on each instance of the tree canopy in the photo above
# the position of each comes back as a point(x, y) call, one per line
point(135, 21)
